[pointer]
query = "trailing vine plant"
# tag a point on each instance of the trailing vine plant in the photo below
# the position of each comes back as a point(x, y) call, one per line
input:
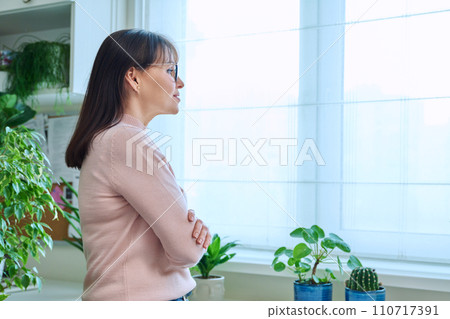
point(37, 65)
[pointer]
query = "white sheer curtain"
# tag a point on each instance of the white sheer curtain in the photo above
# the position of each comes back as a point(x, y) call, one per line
point(389, 188)
point(367, 81)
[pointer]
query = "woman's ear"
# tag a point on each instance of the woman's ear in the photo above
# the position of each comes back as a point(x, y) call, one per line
point(132, 78)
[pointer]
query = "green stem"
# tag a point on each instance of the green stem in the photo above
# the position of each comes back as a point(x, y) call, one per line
point(314, 269)
point(316, 263)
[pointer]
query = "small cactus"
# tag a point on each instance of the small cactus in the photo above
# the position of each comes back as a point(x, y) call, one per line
point(363, 279)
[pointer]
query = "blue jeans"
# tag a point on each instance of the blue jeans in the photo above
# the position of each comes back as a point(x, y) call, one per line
point(183, 298)
point(180, 299)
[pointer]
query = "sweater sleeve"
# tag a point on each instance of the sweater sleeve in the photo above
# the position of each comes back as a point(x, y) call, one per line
point(140, 173)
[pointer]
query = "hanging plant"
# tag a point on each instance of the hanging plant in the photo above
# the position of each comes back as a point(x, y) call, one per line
point(37, 65)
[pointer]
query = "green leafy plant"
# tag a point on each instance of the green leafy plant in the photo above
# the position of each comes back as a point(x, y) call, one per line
point(363, 279)
point(40, 64)
point(214, 256)
point(73, 217)
point(306, 256)
point(13, 113)
point(25, 185)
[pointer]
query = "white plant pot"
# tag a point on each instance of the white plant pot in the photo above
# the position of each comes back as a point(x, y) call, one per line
point(2, 266)
point(3, 80)
point(212, 288)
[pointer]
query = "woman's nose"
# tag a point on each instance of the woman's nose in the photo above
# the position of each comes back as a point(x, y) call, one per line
point(180, 83)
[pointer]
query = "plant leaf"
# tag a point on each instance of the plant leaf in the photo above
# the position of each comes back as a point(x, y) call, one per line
point(70, 187)
point(298, 233)
point(318, 230)
point(25, 281)
point(310, 236)
point(39, 283)
point(335, 237)
point(353, 262)
point(213, 248)
point(328, 270)
point(343, 246)
point(301, 250)
point(280, 266)
point(25, 114)
point(291, 261)
point(275, 260)
point(8, 100)
point(304, 267)
point(328, 243)
point(279, 251)
point(9, 211)
point(341, 270)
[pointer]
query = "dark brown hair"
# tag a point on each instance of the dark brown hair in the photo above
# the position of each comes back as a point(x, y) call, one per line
point(102, 107)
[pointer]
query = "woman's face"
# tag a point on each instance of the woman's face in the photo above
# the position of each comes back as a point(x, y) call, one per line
point(158, 90)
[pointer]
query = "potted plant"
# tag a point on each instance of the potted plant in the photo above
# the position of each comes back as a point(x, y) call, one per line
point(25, 184)
point(305, 258)
point(363, 285)
point(211, 287)
point(37, 65)
point(73, 217)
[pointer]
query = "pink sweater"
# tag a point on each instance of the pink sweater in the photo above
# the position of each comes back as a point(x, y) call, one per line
point(137, 239)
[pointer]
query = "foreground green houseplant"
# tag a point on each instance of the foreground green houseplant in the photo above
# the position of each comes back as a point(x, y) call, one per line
point(211, 287)
point(304, 259)
point(25, 185)
point(214, 256)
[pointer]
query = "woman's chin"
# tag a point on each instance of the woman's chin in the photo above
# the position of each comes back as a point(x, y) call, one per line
point(171, 109)
point(175, 110)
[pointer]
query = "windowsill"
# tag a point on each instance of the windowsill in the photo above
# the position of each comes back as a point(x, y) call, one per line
point(403, 274)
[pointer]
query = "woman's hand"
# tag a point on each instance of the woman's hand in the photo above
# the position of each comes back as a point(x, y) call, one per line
point(201, 232)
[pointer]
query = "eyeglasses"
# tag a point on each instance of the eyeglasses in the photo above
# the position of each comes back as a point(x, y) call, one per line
point(173, 72)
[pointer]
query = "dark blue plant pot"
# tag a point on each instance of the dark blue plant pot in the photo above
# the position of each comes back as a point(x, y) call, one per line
point(354, 295)
point(307, 292)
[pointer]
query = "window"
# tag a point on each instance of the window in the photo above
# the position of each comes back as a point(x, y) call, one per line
point(366, 81)
point(396, 201)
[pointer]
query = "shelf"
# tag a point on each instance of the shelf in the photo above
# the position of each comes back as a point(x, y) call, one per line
point(46, 102)
point(46, 99)
point(35, 19)
point(86, 23)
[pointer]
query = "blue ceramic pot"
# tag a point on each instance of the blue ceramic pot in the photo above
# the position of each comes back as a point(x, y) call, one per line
point(307, 292)
point(355, 295)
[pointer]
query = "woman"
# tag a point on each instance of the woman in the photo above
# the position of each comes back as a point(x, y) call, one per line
point(138, 241)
